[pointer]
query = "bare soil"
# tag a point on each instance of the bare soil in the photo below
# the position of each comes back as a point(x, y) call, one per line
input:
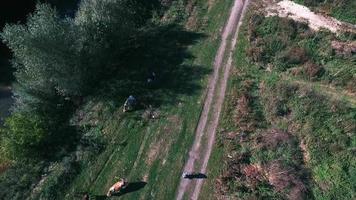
point(297, 12)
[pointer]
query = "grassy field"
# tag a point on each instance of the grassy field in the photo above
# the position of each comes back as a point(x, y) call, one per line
point(288, 124)
point(152, 152)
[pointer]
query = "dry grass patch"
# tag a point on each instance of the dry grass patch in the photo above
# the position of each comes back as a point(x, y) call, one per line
point(285, 180)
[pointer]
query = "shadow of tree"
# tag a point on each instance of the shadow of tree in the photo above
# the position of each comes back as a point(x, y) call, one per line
point(163, 50)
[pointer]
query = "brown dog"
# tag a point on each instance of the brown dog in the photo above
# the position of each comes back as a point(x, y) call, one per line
point(117, 187)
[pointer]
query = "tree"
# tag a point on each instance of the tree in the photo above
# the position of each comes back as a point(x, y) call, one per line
point(22, 136)
point(44, 53)
point(67, 57)
point(58, 60)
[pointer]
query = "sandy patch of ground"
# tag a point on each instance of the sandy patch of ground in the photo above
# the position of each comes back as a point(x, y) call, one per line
point(153, 152)
point(159, 149)
point(297, 12)
point(145, 178)
point(210, 4)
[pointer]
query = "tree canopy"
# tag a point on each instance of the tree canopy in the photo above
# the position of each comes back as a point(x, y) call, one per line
point(58, 60)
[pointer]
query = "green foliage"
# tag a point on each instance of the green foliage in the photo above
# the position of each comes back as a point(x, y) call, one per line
point(44, 53)
point(273, 41)
point(59, 60)
point(22, 136)
point(285, 45)
point(16, 183)
point(320, 151)
point(175, 13)
point(59, 176)
point(328, 134)
point(67, 56)
point(102, 54)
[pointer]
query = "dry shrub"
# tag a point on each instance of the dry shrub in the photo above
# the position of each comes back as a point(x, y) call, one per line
point(233, 173)
point(350, 86)
point(255, 53)
point(243, 106)
point(272, 138)
point(166, 3)
point(309, 70)
point(253, 22)
point(312, 70)
point(344, 48)
point(276, 100)
point(296, 71)
point(243, 112)
point(253, 174)
point(231, 135)
point(192, 22)
point(244, 117)
point(304, 148)
point(285, 180)
point(221, 188)
point(4, 167)
point(295, 55)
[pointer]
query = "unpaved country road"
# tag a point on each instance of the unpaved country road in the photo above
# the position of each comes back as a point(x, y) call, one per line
point(209, 119)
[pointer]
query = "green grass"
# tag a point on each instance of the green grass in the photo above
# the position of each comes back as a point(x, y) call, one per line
point(317, 112)
point(166, 140)
point(115, 144)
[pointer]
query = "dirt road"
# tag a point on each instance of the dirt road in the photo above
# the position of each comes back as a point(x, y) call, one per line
point(209, 119)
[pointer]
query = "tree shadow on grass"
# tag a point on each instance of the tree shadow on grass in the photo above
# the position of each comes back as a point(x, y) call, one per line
point(164, 51)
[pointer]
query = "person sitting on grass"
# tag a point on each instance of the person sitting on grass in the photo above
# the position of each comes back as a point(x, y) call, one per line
point(130, 103)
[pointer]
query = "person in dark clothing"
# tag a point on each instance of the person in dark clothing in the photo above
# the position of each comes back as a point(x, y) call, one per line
point(193, 175)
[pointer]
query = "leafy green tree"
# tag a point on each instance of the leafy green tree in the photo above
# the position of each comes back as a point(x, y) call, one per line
point(22, 136)
point(67, 57)
point(58, 60)
point(44, 53)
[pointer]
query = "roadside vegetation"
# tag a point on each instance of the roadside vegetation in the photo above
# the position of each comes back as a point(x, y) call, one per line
point(343, 10)
point(288, 126)
point(67, 134)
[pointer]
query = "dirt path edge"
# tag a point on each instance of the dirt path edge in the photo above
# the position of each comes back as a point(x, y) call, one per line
point(199, 154)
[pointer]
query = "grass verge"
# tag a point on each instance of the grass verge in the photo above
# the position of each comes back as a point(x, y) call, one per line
point(153, 151)
point(279, 139)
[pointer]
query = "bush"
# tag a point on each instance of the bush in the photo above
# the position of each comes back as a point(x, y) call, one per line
point(294, 55)
point(312, 70)
point(175, 13)
point(16, 183)
point(23, 136)
point(58, 177)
